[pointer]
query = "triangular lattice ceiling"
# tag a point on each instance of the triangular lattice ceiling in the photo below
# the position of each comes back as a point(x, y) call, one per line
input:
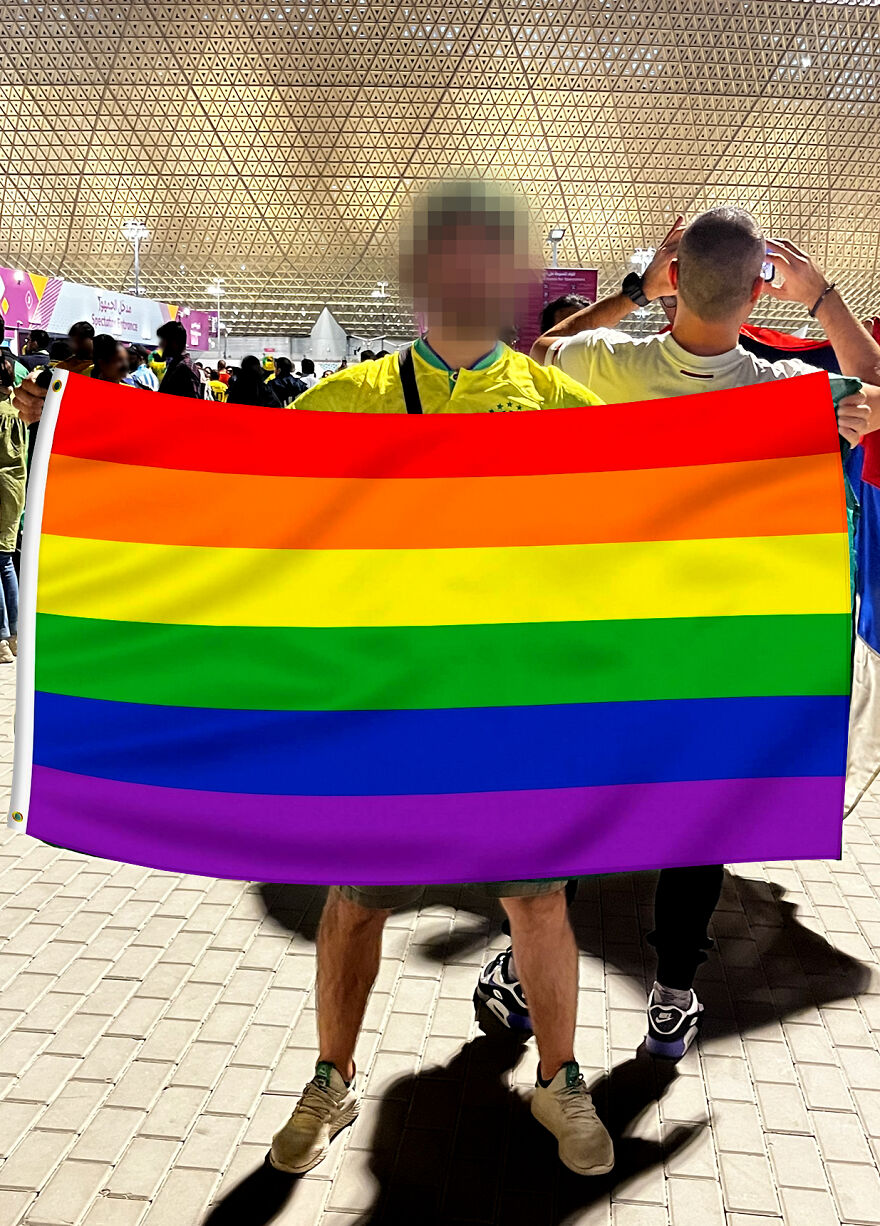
point(284, 137)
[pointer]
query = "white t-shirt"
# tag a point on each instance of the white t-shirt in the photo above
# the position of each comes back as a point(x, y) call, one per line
point(308, 380)
point(622, 368)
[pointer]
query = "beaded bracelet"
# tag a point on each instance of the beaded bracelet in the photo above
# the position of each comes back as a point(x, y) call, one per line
point(827, 290)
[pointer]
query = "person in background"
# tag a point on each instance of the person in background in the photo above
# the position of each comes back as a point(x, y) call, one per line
point(181, 377)
point(250, 386)
point(157, 363)
point(562, 308)
point(110, 359)
point(712, 270)
point(60, 354)
point(60, 351)
point(35, 354)
point(19, 372)
point(307, 372)
point(139, 372)
point(13, 480)
point(222, 371)
point(217, 386)
point(81, 336)
point(286, 385)
point(367, 355)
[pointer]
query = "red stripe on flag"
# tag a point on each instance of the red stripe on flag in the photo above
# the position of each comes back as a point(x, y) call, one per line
point(790, 417)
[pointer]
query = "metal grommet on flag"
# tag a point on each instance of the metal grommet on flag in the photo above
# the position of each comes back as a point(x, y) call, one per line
point(57, 385)
point(18, 817)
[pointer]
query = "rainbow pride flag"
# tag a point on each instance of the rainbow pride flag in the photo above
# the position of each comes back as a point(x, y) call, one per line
point(313, 647)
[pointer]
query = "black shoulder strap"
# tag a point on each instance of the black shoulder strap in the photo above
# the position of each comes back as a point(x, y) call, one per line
point(408, 379)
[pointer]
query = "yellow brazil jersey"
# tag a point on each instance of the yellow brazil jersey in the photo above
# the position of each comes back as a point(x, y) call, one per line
point(504, 381)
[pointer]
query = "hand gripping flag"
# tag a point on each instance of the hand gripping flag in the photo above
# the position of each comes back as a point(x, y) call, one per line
point(391, 649)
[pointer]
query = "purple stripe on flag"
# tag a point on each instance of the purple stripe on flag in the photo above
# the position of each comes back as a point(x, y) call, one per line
point(393, 840)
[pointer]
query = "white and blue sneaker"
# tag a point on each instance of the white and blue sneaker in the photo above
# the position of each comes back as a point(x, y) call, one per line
point(502, 995)
point(671, 1028)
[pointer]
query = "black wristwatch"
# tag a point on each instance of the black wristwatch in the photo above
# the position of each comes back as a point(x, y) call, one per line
point(634, 289)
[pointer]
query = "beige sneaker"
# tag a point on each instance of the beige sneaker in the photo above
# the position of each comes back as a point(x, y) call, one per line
point(6, 656)
point(566, 1109)
point(13, 644)
point(327, 1106)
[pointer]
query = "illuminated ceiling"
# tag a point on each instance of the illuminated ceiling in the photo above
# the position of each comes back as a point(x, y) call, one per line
point(284, 137)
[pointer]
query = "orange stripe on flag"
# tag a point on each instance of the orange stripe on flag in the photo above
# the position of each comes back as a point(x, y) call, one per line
point(107, 501)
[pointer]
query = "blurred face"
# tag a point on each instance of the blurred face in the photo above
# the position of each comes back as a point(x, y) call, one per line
point(116, 366)
point(173, 346)
point(469, 280)
point(82, 345)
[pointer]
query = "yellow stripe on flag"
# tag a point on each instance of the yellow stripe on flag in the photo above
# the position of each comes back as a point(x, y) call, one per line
point(189, 585)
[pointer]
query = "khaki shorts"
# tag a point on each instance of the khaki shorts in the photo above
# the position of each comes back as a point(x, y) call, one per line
point(390, 897)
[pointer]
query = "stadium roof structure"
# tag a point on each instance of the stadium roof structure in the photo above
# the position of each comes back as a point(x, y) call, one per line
point(273, 145)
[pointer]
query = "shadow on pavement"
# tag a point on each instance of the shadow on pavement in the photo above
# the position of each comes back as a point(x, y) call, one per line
point(256, 1201)
point(454, 1145)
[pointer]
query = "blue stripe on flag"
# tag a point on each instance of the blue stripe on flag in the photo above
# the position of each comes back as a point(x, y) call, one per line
point(338, 753)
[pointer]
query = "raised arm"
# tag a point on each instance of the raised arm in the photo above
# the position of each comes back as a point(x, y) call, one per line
point(856, 350)
point(608, 312)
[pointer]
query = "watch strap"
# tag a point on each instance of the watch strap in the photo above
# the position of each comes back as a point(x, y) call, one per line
point(633, 287)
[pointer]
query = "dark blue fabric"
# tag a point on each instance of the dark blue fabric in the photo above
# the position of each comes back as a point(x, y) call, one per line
point(488, 749)
point(867, 552)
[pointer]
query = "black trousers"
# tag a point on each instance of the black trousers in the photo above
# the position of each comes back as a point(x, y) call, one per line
point(683, 904)
point(684, 901)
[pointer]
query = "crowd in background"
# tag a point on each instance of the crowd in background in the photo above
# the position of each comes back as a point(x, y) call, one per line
point(272, 382)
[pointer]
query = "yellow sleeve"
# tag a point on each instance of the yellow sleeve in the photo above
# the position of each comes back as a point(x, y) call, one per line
point(345, 391)
point(326, 396)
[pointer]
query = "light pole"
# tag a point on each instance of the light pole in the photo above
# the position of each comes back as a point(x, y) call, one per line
point(554, 238)
point(135, 232)
point(380, 293)
point(217, 290)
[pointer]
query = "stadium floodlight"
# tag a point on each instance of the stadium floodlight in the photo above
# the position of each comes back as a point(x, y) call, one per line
point(554, 238)
point(135, 232)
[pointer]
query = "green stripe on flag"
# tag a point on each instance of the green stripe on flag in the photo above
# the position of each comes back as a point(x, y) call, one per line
point(415, 667)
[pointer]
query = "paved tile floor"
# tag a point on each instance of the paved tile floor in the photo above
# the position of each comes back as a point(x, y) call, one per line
point(155, 1029)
